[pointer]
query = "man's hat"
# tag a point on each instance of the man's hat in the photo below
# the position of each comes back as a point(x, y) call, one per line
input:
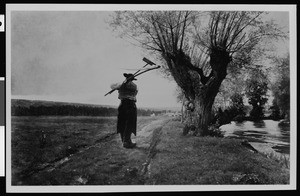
point(129, 75)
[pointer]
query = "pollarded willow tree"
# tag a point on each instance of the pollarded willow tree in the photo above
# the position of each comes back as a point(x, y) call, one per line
point(198, 48)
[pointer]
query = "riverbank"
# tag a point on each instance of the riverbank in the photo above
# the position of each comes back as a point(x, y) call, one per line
point(249, 118)
point(208, 160)
point(163, 156)
point(269, 137)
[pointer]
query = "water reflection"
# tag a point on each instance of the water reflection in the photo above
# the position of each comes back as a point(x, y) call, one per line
point(266, 131)
point(259, 124)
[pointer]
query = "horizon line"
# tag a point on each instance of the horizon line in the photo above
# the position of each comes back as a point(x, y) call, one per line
point(86, 103)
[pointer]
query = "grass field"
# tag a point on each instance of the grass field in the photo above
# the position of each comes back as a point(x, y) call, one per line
point(87, 151)
point(41, 143)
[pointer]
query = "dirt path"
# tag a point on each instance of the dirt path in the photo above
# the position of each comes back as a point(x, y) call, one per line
point(106, 162)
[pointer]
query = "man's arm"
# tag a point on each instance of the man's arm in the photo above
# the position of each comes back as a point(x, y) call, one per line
point(115, 86)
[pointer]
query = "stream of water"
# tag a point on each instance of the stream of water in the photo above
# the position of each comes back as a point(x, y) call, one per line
point(265, 131)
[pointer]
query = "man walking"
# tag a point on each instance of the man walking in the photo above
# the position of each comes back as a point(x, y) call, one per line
point(127, 112)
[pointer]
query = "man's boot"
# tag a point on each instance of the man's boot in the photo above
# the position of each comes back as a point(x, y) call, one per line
point(127, 143)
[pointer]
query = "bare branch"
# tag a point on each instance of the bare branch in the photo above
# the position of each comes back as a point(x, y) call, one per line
point(253, 39)
point(183, 30)
point(148, 32)
point(237, 32)
point(158, 35)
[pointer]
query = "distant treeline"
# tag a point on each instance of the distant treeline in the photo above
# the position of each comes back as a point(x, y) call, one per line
point(73, 110)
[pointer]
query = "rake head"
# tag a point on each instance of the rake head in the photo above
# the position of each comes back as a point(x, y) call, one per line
point(148, 61)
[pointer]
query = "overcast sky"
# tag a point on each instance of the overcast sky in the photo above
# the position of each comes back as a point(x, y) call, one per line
point(74, 56)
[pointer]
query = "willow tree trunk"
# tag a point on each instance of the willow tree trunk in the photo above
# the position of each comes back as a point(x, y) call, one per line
point(197, 87)
point(204, 101)
point(206, 94)
point(203, 110)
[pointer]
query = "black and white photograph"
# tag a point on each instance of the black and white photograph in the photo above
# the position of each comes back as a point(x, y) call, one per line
point(126, 98)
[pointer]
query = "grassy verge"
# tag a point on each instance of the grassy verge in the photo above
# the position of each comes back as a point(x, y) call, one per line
point(208, 160)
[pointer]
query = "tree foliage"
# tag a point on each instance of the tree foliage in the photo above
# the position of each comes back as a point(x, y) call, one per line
point(275, 110)
point(238, 104)
point(280, 86)
point(197, 48)
point(256, 91)
point(195, 35)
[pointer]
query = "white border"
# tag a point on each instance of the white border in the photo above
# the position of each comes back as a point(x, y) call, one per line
point(2, 151)
point(2, 144)
point(133, 7)
point(293, 96)
point(8, 101)
point(145, 188)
